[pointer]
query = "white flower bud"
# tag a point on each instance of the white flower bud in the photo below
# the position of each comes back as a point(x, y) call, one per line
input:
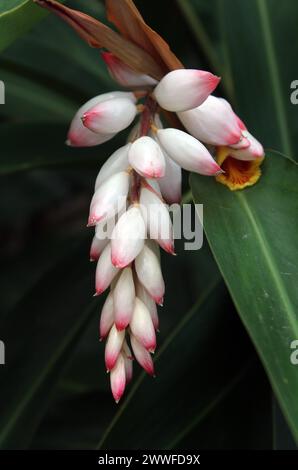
point(213, 122)
point(187, 151)
point(124, 299)
point(110, 116)
point(109, 198)
point(146, 157)
point(184, 89)
point(128, 236)
point(78, 135)
point(142, 327)
point(148, 270)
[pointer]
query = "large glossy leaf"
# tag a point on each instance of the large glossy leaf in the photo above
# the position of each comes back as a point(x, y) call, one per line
point(40, 335)
point(17, 17)
point(253, 236)
point(261, 69)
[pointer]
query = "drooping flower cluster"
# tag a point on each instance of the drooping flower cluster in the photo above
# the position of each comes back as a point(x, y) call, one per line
point(129, 208)
point(135, 183)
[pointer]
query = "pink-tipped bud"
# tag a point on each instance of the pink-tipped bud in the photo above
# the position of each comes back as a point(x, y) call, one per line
point(124, 299)
point(105, 271)
point(128, 236)
point(253, 152)
point(187, 151)
point(110, 116)
point(142, 355)
point(97, 246)
point(106, 317)
point(146, 157)
point(143, 295)
point(142, 327)
point(123, 74)
point(170, 184)
point(157, 219)
point(117, 162)
point(113, 347)
point(118, 378)
point(148, 270)
point(78, 135)
point(213, 122)
point(185, 89)
point(109, 198)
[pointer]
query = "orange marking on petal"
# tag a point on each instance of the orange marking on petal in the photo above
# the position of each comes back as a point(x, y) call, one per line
point(238, 174)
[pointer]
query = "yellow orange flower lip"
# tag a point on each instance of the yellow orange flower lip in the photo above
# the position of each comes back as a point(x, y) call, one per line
point(238, 174)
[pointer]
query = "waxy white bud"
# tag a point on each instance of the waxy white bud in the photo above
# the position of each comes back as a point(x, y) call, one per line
point(184, 89)
point(142, 327)
point(146, 157)
point(170, 184)
point(127, 239)
point(110, 198)
point(187, 151)
point(78, 135)
point(124, 299)
point(110, 116)
point(118, 378)
point(157, 219)
point(105, 271)
point(142, 355)
point(107, 316)
point(113, 347)
point(148, 270)
point(213, 122)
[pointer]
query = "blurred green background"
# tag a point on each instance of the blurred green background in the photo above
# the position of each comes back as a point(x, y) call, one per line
point(211, 391)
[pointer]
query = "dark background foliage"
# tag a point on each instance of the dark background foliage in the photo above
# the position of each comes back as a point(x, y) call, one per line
point(211, 391)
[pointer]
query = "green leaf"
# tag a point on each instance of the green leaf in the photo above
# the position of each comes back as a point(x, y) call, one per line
point(262, 71)
point(252, 234)
point(16, 18)
point(40, 335)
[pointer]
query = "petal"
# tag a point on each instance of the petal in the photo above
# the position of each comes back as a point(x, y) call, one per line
point(124, 299)
point(106, 317)
point(142, 355)
point(187, 151)
point(109, 198)
point(113, 347)
point(146, 157)
point(105, 271)
point(148, 270)
point(110, 116)
point(213, 122)
point(118, 378)
point(128, 236)
point(79, 135)
point(97, 246)
point(253, 152)
point(171, 184)
point(185, 89)
point(157, 219)
point(143, 295)
point(142, 327)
